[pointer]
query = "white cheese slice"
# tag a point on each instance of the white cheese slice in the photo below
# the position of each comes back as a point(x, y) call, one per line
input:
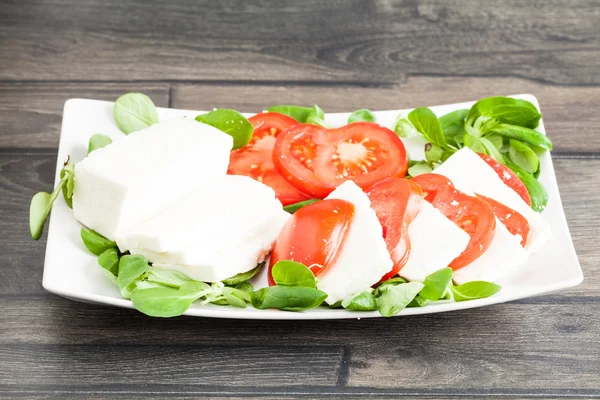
point(135, 177)
point(470, 174)
point(504, 256)
point(222, 228)
point(434, 242)
point(363, 258)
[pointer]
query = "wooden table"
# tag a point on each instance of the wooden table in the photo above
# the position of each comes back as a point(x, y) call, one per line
point(342, 55)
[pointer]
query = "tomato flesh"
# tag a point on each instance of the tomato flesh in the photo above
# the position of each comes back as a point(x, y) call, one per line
point(316, 160)
point(314, 235)
point(256, 158)
point(396, 202)
point(509, 178)
point(514, 221)
point(471, 214)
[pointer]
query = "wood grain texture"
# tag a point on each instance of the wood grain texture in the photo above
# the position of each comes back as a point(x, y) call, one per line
point(21, 176)
point(569, 113)
point(31, 115)
point(471, 351)
point(334, 41)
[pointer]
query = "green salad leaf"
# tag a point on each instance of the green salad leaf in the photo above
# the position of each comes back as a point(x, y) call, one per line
point(474, 290)
point(474, 144)
point(453, 123)
point(395, 298)
point(167, 277)
point(539, 196)
point(243, 276)
point(427, 123)
point(523, 156)
point(364, 301)
point(132, 268)
point(292, 208)
point(292, 273)
point(362, 115)
point(288, 298)
point(419, 168)
point(95, 242)
point(436, 284)
point(168, 302)
point(98, 141)
point(526, 135)
point(133, 112)
point(505, 110)
point(109, 260)
point(232, 123)
point(317, 117)
point(298, 113)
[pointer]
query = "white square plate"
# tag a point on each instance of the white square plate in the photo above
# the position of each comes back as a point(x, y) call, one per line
point(71, 271)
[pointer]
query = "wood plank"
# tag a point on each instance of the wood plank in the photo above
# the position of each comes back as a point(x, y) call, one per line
point(21, 176)
point(470, 351)
point(569, 113)
point(112, 366)
point(338, 41)
point(31, 115)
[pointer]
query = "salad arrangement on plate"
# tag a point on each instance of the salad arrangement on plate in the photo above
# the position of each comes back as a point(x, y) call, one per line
point(189, 210)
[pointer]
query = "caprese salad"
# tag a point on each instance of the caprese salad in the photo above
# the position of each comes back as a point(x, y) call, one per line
point(190, 210)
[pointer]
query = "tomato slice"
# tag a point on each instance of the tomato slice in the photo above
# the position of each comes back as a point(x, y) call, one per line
point(396, 202)
point(314, 235)
point(471, 214)
point(316, 160)
point(256, 158)
point(509, 178)
point(514, 221)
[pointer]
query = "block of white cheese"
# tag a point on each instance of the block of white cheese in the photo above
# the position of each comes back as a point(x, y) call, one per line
point(363, 258)
point(470, 174)
point(434, 242)
point(135, 177)
point(504, 256)
point(222, 228)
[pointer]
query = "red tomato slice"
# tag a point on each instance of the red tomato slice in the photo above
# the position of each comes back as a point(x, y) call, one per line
point(514, 221)
point(256, 158)
point(314, 235)
point(396, 202)
point(470, 213)
point(316, 160)
point(508, 177)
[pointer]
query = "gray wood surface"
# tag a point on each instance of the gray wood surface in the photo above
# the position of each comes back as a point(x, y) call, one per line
point(342, 55)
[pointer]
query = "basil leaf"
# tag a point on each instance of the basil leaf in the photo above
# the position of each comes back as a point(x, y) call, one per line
point(419, 168)
point(362, 115)
point(95, 242)
point(523, 156)
point(491, 149)
point(426, 122)
point(98, 141)
point(68, 174)
point(474, 144)
point(435, 284)
point(134, 112)
point(404, 128)
point(317, 117)
point(232, 123)
point(393, 281)
point(496, 140)
point(539, 196)
point(167, 277)
point(109, 260)
point(292, 208)
point(474, 290)
point(299, 113)
point(506, 110)
point(454, 123)
point(364, 301)
point(243, 276)
point(395, 298)
point(523, 134)
point(167, 302)
point(433, 152)
point(288, 298)
point(131, 269)
point(292, 273)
